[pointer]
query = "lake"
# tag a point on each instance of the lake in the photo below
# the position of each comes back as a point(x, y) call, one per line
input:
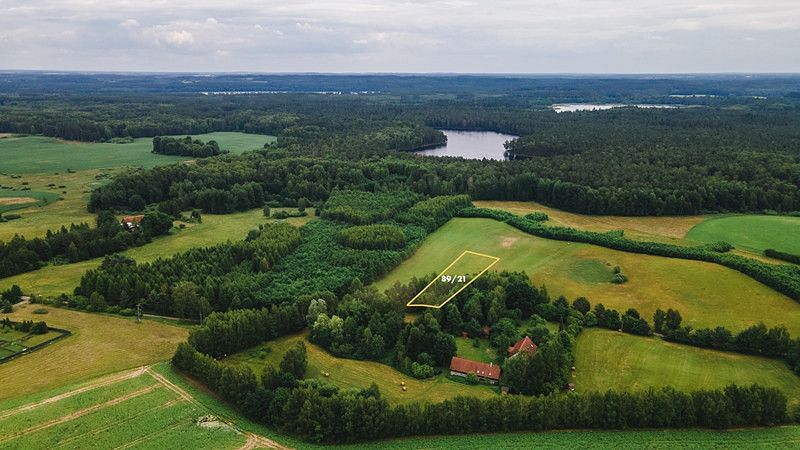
point(471, 145)
point(573, 107)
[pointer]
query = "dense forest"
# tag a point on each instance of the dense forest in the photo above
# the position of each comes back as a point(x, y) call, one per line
point(720, 154)
point(186, 147)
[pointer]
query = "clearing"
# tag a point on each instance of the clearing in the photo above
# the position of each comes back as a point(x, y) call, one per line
point(753, 233)
point(53, 280)
point(706, 294)
point(350, 373)
point(32, 154)
point(611, 360)
point(99, 344)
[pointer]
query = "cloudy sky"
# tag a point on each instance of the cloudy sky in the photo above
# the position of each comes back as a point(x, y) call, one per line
point(506, 36)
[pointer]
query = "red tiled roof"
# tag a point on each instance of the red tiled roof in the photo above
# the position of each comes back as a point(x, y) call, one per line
point(480, 369)
point(525, 345)
point(132, 219)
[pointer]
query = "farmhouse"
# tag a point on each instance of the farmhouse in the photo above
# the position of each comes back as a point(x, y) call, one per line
point(485, 372)
point(131, 223)
point(524, 345)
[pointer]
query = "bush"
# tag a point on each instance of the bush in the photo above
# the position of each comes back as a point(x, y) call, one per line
point(421, 371)
point(40, 311)
point(537, 216)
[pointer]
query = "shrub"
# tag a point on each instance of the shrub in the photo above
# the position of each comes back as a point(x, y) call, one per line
point(421, 371)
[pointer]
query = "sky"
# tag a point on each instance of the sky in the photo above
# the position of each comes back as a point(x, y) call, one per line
point(462, 36)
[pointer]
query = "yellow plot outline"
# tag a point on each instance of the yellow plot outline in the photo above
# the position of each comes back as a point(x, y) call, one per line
point(494, 259)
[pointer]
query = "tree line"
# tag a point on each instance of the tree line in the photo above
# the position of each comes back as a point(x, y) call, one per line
point(187, 146)
point(79, 242)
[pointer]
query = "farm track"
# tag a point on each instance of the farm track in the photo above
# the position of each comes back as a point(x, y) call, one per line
point(79, 413)
point(107, 381)
point(253, 440)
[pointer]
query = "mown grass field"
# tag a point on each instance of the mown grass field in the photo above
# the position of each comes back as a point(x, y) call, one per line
point(611, 360)
point(664, 229)
point(484, 352)
point(38, 154)
point(99, 345)
point(348, 373)
point(754, 233)
point(769, 438)
point(53, 280)
point(706, 294)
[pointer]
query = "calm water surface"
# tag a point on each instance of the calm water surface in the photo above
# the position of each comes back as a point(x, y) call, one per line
point(471, 145)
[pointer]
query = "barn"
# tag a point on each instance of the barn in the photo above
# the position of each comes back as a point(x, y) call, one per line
point(488, 373)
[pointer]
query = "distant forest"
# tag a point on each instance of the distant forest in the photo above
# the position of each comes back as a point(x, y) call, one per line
point(728, 152)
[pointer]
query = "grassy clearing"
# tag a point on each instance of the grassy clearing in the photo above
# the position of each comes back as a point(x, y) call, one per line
point(37, 154)
point(347, 373)
point(453, 278)
point(769, 438)
point(664, 228)
point(53, 280)
point(754, 233)
point(706, 294)
point(100, 344)
point(611, 360)
point(484, 353)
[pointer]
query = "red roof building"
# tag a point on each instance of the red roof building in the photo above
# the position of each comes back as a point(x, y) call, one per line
point(524, 345)
point(132, 222)
point(485, 372)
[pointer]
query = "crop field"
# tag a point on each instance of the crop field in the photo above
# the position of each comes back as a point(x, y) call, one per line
point(754, 233)
point(611, 360)
point(99, 345)
point(349, 373)
point(671, 229)
point(38, 154)
point(53, 280)
point(762, 438)
point(706, 294)
point(139, 408)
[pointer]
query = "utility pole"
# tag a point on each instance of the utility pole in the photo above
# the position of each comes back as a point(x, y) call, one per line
point(138, 313)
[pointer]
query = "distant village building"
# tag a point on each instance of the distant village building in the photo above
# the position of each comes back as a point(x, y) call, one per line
point(488, 373)
point(524, 345)
point(131, 223)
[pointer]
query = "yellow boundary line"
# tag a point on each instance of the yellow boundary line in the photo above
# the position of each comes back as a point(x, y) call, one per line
point(438, 277)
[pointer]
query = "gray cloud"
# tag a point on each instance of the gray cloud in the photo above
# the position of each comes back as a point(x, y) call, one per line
point(402, 36)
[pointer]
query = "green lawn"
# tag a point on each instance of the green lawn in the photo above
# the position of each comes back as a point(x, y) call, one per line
point(612, 360)
point(32, 154)
point(348, 373)
point(754, 233)
point(706, 294)
point(53, 280)
point(484, 353)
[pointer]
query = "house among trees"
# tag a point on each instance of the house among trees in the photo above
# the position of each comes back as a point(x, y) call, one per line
point(131, 223)
point(524, 345)
point(488, 373)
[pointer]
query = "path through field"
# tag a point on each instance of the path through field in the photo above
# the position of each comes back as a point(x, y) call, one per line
point(124, 410)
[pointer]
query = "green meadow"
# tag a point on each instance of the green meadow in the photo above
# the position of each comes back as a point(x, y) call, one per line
point(611, 360)
point(37, 154)
point(706, 294)
point(753, 233)
point(350, 373)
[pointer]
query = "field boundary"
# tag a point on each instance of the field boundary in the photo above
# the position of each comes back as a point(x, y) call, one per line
point(494, 259)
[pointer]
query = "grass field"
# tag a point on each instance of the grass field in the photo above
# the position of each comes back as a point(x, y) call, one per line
point(706, 294)
point(99, 345)
point(453, 278)
point(611, 360)
point(140, 408)
point(769, 438)
point(664, 228)
point(484, 353)
point(53, 280)
point(39, 154)
point(348, 373)
point(754, 233)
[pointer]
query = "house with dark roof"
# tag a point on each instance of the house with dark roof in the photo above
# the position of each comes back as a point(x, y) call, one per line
point(524, 345)
point(488, 373)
